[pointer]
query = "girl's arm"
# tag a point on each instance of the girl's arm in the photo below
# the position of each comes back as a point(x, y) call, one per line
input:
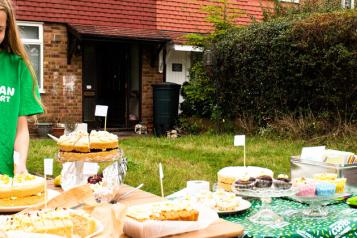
point(22, 141)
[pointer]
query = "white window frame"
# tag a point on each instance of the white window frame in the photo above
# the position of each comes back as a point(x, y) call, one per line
point(36, 42)
point(290, 1)
point(343, 4)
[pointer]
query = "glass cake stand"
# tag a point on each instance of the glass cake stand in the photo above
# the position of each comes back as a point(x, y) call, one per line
point(317, 204)
point(76, 172)
point(265, 215)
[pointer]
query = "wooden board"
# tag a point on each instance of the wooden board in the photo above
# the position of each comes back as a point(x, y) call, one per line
point(221, 228)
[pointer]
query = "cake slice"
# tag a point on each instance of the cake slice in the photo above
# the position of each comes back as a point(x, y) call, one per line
point(103, 140)
point(77, 141)
point(62, 222)
point(83, 224)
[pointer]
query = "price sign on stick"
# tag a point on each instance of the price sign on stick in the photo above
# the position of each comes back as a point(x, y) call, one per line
point(48, 170)
point(239, 140)
point(161, 173)
point(102, 111)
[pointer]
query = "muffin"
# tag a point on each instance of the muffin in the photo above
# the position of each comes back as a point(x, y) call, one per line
point(264, 181)
point(340, 184)
point(306, 189)
point(245, 183)
point(282, 182)
point(325, 189)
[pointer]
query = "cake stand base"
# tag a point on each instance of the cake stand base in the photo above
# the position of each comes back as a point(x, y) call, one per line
point(266, 217)
point(315, 210)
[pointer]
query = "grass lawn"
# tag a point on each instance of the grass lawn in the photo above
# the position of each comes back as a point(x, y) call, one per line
point(192, 157)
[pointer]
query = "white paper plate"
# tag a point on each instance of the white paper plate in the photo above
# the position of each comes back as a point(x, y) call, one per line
point(16, 234)
point(244, 205)
point(51, 194)
point(99, 228)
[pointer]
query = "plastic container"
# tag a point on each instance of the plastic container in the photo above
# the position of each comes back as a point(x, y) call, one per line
point(165, 106)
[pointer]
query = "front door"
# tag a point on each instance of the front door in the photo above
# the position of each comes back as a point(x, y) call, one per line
point(112, 82)
point(105, 82)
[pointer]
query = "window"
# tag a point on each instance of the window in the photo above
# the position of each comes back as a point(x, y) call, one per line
point(348, 4)
point(32, 37)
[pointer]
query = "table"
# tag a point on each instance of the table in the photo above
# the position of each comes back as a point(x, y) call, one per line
point(341, 221)
point(221, 228)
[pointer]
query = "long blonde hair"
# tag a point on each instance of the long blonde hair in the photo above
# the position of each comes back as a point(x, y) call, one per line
point(12, 42)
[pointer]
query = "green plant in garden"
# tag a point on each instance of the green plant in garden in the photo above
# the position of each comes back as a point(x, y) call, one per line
point(300, 10)
point(285, 66)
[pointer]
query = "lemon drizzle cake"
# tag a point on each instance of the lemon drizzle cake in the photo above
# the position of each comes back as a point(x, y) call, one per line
point(22, 185)
point(63, 222)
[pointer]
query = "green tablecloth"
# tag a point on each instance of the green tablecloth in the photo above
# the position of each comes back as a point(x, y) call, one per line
point(340, 222)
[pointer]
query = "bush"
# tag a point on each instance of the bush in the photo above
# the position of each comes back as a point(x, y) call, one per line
point(288, 67)
point(198, 93)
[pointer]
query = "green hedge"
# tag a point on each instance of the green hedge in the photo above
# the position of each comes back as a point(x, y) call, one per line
point(284, 66)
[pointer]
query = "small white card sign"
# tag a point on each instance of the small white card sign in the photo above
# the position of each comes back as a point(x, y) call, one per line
point(161, 172)
point(90, 168)
point(48, 166)
point(315, 153)
point(239, 140)
point(101, 111)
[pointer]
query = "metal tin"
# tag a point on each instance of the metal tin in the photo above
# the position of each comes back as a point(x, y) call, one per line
point(307, 169)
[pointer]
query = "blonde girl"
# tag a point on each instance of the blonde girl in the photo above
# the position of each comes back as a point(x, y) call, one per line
point(19, 96)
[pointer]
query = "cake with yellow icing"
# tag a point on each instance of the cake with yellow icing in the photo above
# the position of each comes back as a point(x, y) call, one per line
point(21, 185)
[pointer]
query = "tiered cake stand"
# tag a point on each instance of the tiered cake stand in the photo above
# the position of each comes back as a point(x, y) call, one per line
point(76, 172)
point(265, 215)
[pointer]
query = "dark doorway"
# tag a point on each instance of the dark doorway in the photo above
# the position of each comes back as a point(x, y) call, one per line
point(112, 81)
point(111, 76)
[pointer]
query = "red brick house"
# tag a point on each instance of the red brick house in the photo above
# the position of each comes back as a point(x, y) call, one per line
point(89, 52)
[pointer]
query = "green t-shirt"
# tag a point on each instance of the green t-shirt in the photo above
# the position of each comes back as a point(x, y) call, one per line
point(16, 99)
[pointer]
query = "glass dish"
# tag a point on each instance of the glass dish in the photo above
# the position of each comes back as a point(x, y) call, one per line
point(317, 204)
point(265, 215)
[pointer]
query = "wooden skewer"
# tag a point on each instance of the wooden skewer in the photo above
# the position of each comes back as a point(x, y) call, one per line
point(53, 137)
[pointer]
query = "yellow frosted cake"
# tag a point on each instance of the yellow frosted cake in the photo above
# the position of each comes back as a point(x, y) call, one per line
point(21, 190)
point(63, 222)
point(81, 146)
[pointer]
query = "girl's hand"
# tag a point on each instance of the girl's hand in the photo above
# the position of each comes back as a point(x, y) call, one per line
point(20, 168)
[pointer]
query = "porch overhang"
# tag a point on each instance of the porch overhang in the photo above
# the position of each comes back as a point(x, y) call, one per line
point(78, 33)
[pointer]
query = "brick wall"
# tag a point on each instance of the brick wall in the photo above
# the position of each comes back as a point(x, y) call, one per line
point(150, 75)
point(62, 82)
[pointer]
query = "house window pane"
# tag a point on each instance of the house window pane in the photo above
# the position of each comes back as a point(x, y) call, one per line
point(34, 52)
point(29, 32)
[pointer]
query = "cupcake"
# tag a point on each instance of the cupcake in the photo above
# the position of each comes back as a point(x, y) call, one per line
point(282, 182)
point(263, 181)
point(306, 189)
point(245, 183)
point(340, 184)
point(324, 189)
